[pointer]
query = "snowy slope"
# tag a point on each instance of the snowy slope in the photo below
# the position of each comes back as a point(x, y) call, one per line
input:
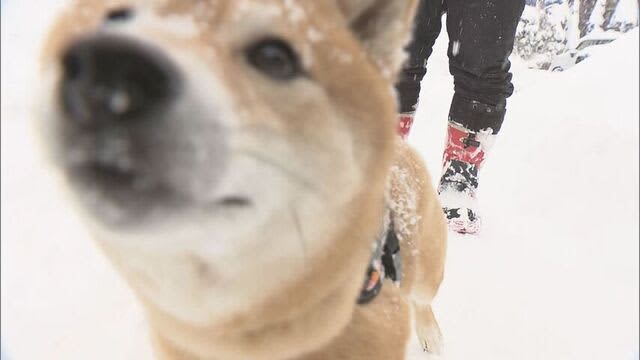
point(553, 276)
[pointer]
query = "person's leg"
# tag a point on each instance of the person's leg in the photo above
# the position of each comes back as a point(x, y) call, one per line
point(427, 27)
point(481, 35)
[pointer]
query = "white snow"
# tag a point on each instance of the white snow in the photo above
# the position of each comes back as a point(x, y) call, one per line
point(626, 12)
point(554, 275)
point(405, 202)
point(597, 16)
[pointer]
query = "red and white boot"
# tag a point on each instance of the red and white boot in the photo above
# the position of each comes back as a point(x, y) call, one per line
point(464, 155)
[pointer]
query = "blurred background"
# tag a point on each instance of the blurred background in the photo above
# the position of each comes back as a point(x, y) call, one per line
point(554, 34)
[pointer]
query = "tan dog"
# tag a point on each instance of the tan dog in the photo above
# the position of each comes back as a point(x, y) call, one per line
point(236, 159)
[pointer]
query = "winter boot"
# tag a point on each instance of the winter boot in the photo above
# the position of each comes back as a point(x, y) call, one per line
point(405, 120)
point(464, 155)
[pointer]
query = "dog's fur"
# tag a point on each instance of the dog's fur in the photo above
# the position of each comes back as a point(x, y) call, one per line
point(317, 158)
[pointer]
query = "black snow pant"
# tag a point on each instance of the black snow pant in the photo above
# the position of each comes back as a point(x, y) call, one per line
point(481, 36)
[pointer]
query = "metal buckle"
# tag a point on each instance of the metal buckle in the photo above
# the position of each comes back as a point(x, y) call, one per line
point(471, 141)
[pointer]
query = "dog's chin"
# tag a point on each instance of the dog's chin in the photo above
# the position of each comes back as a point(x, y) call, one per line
point(128, 200)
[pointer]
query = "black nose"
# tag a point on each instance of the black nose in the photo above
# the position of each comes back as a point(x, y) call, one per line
point(107, 79)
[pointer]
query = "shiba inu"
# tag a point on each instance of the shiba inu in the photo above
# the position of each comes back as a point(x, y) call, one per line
point(238, 165)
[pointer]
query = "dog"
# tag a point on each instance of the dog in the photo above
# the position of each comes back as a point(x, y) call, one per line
point(238, 165)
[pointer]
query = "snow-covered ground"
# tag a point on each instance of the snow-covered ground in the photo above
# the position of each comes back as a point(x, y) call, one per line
point(554, 275)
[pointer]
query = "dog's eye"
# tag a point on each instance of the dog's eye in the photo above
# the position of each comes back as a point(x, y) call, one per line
point(275, 58)
point(119, 14)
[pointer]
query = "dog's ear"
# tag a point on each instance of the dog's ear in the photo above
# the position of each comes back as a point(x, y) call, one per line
point(384, 27)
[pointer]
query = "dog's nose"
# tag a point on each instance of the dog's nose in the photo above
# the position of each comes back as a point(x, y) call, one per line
point(108, 79)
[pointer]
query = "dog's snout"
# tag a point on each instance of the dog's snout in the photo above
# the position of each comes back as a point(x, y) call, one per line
point(108, 79)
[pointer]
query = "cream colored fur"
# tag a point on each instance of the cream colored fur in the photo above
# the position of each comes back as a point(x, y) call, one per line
point(281, 282)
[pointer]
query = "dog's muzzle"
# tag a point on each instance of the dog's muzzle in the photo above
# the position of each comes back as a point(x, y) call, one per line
point(109, 80)
point(129, 134)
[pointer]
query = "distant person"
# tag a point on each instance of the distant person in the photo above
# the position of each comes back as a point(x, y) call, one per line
point(481, 37)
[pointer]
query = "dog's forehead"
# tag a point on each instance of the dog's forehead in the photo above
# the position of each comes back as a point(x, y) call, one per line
point(292, 12)
point(295, 12)
point(230, 22)
point(291, 17)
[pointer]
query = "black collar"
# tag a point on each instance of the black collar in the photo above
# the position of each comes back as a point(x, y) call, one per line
point(385, 263)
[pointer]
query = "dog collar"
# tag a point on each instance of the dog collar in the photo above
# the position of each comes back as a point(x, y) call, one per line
point(385, 263)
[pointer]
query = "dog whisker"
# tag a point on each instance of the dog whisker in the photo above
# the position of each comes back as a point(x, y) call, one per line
point(296, 219)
